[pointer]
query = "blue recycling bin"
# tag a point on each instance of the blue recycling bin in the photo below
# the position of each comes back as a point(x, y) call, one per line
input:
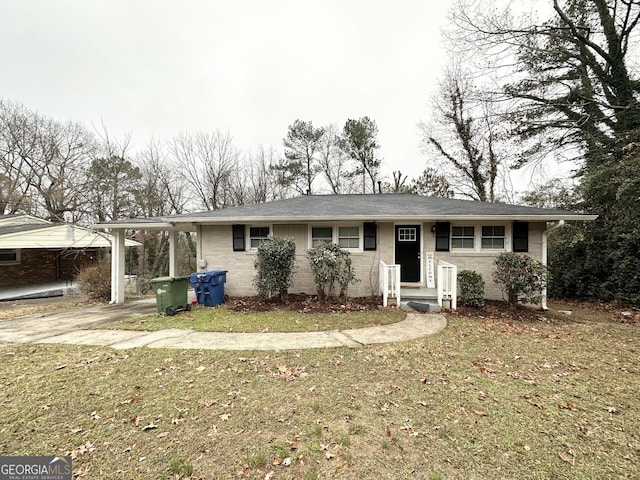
point(208, 286)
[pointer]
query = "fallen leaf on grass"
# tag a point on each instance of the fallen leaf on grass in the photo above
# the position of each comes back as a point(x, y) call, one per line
point(82, 472)
point(162, 435)
point(566, 458)
point(81, 450)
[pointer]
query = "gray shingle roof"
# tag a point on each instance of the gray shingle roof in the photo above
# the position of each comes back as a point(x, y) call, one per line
point(24, 227)
point(371, 207)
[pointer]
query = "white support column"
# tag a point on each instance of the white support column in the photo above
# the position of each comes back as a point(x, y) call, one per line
point(117, 266)
point(173, 243)
point(545, 243)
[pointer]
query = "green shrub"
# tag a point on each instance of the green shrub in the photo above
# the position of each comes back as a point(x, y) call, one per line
point(330, 266)
point(471, 287)
point(274, 265)
point(95, 280)
point(520, 278)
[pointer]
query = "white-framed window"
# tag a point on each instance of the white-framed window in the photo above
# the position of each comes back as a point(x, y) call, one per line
point(407, 234)
point(320, 235)
point(348, 237)
point(257, 235)
point(9, 256)
point(463, 237)
point(493, 237)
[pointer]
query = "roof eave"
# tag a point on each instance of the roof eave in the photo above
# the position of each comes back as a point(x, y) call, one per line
point(380, 218)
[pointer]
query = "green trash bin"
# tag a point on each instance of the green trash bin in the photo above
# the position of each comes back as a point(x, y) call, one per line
point(171, 294)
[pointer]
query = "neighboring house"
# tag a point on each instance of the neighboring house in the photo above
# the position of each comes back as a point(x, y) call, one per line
point(34, 251)
point(429, 238)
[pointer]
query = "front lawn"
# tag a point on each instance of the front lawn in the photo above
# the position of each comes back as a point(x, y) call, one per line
point(221, 319)
point(487, 398)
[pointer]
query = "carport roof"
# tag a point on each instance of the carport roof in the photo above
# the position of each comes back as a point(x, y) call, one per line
point(370, 207)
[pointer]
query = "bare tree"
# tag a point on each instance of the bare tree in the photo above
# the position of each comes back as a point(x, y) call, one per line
point(334, 162)
point(465, 137)
point(58, 165)
point(17, 143)
point(257, 181)
point(208, 160)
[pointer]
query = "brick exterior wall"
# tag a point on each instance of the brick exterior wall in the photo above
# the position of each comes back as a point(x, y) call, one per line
point(215, 247)
point(44, 266)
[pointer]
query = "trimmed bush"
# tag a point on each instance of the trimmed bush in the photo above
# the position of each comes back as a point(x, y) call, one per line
point(330, 266)
point(471, 287)
point(274, 265)
point(95, 280)
point(520, 277)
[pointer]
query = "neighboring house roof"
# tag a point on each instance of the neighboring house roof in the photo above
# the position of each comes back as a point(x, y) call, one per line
point(26, 231)
point(357, 207)
point(21, 219)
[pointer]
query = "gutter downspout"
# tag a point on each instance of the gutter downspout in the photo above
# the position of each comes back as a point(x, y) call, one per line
point(545, 234)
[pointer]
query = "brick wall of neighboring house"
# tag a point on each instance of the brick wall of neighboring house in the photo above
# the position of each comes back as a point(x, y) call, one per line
point(44, 266)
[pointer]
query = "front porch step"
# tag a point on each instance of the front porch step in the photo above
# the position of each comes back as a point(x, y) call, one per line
point(423, 298)
point(420, 306)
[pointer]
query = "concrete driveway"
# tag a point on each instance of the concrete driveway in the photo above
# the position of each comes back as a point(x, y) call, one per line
point(77, 327)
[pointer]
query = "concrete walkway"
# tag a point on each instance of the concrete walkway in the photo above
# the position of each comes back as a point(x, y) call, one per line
point(75, 328)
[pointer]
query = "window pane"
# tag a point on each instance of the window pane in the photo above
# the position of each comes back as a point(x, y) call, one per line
point(407, 234)
point(8, 255)
point(462, 237)
point(321, 234)
point(259, 232)
point(493, 237)
point(348, 231)
point(349, 237)
point(349, 242)
point(325, 233)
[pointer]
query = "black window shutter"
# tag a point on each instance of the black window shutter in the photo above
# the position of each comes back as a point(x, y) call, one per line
point(442, 236)
point(520, 236)
point(238, 238)
point(370, 236)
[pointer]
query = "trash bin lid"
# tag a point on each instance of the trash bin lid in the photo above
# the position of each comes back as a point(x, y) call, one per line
point(167, 279)
point(205, 275)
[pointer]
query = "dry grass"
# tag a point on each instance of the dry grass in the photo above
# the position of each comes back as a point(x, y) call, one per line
point(222, 319)
point(486, 398)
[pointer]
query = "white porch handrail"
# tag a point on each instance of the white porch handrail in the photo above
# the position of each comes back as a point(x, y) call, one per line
point(447, 284)
point(389, 282)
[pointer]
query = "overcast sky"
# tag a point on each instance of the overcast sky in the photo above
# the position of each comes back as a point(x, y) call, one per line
point(162, 67)
point(158, 68)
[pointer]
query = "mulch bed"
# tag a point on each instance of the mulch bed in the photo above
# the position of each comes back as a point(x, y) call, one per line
point(303, 304)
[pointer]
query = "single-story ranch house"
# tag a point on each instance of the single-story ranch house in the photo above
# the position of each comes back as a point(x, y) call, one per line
point(35, 251)
point(396, 240)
